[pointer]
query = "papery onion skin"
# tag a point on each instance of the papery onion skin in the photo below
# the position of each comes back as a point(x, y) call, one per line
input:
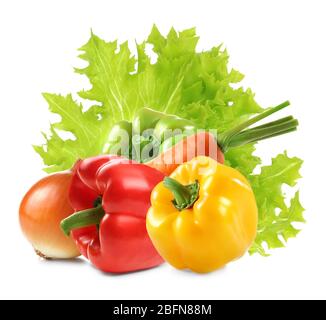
point(42, 209)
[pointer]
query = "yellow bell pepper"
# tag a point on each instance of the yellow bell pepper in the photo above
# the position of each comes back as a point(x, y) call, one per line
point(203, 216)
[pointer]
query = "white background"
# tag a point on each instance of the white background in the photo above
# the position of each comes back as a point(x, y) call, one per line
point(279, 46)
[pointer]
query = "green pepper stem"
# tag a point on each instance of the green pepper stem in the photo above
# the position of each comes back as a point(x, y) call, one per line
point(80, 219)
point(184, 196)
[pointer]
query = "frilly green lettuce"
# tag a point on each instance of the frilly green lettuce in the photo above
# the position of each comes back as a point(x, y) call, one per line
point(182, 81)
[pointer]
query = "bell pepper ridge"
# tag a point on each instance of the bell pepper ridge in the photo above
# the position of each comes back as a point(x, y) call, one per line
point(111, 197)
point(219, 228)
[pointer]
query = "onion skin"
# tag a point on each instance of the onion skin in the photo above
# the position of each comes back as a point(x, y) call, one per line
point(41, 211)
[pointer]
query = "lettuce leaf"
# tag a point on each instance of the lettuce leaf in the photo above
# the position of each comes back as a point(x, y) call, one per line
point(60, 154)
point(276, 218)
point(196, 85)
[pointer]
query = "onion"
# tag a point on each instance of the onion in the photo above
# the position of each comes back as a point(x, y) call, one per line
point(44, 206)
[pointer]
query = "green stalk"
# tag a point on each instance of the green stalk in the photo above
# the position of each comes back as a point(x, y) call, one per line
point(226, 136)
point(243, 140)
point(268, 130)
point(184, 196)
point(242, 134)
point(85, 218)
point(270, 124)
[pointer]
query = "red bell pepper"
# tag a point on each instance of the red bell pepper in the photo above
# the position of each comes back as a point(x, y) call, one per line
point(112, 196)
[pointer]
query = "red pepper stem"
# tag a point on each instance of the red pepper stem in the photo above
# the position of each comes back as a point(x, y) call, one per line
point(80, 219)
point(184, 196)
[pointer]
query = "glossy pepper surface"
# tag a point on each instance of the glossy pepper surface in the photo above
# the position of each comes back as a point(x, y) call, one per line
point(119, 138)
point(141, 138)
point(156, 132)
point(203, 216)
point(111, 196)
point(159, 124)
